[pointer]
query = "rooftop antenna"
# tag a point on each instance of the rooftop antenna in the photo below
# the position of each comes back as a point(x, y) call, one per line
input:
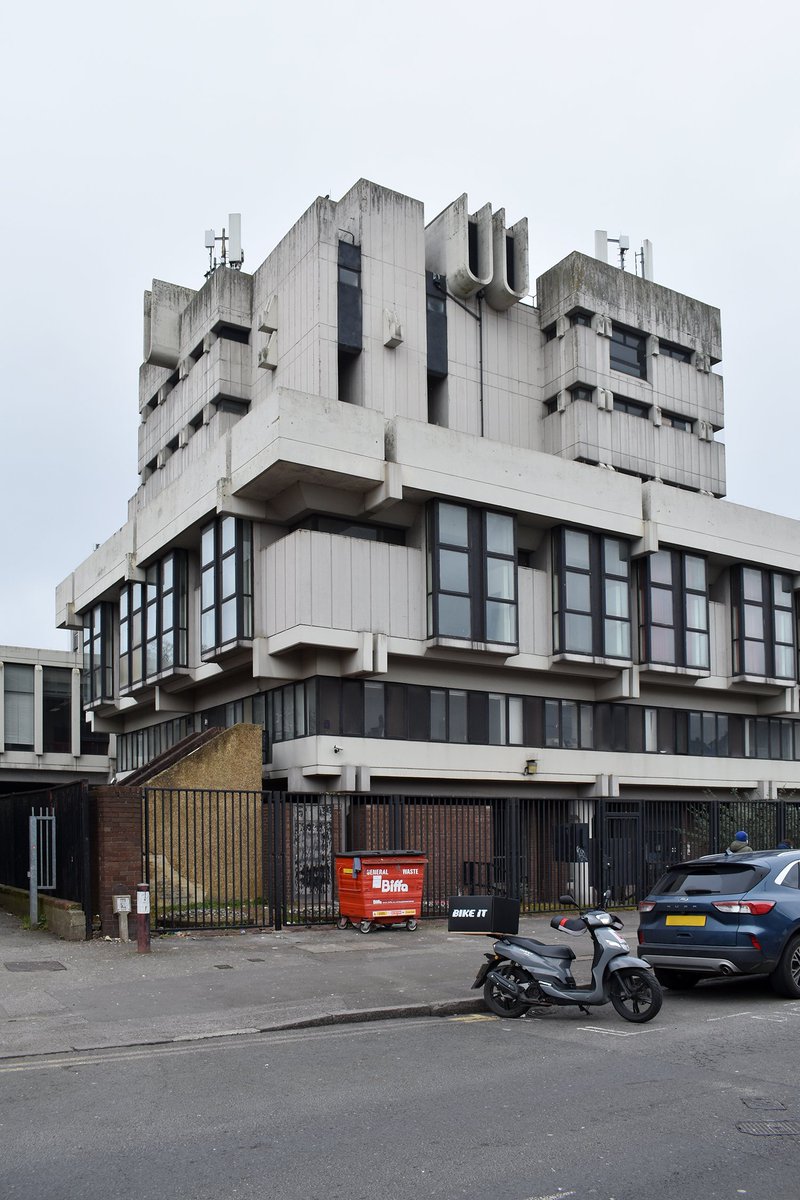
point(642, 259)
point(231, 253)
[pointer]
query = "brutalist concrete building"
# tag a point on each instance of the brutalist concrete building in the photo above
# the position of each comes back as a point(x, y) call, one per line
point(438, 535)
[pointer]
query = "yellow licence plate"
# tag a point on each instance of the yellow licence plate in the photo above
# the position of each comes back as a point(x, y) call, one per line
point(686, 920)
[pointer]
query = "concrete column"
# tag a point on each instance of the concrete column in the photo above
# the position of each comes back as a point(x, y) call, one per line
point(2, 708)
point(76, 712)
point(38, 709)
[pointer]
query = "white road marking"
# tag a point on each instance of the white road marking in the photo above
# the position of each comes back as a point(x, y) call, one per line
point(727, 1017)
point(553, 1196)
point(617, 1032)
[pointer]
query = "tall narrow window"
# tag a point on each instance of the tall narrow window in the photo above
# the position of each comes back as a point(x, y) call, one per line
point(18, 706)
point(436, 325)
point(153, 622)
point(591, 594)
point(350, 321)
point(501, 579)
point(226, 583)
point(763, 624)
point(98, 672)
point(57, 710)
point(472, 577)
point(674, 610)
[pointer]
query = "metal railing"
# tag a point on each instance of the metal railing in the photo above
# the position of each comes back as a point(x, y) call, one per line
point(217, 859)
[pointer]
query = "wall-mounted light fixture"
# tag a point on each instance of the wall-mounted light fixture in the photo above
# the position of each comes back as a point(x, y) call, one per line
point(531, 766)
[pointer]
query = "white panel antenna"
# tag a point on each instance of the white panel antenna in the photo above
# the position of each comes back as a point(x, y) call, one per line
point(235, 239)
point(643, 259)
point(231, 253)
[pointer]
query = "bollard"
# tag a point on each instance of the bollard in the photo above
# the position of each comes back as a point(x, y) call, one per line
point(143, 918)
point(122, 906)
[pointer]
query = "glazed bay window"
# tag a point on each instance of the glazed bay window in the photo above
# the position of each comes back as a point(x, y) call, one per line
point(226, 590)
point(472, 577)
point(763, 624)
point(674, 610)
point(98, 671)
point(153, 622)
point(591, 594)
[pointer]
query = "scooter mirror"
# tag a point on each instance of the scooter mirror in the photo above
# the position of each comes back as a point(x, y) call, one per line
point(567, 898)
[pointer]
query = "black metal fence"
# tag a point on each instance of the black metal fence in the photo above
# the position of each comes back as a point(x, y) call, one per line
point(67, 853)
point(218, 859)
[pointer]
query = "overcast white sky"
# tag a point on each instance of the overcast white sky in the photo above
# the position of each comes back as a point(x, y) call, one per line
point(130, 128)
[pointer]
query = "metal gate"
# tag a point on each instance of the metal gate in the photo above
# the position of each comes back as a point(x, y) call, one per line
point(222, 859)
point(64, 843)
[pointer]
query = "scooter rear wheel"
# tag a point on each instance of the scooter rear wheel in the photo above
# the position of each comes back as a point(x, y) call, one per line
point(636, 994)
point(500, 1003)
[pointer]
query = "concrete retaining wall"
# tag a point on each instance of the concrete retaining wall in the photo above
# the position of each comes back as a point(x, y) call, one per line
point(65, 918)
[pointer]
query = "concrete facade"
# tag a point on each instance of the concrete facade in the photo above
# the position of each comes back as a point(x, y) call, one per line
point(364, 470)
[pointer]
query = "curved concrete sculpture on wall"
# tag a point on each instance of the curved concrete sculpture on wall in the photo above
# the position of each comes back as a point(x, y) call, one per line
point(509, 282)
point(460, 245)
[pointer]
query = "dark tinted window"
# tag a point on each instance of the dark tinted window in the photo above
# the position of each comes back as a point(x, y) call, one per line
point(792, 880)
point(719, 879)
point(628, 352)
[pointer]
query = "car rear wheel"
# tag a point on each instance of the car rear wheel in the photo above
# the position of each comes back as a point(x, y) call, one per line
point(677, 981)
point(785, 979)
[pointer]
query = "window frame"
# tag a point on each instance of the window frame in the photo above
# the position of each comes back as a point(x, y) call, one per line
point(479, 553)
point(764, 601)
point(56, 710)
point(626, 339)
point(596, 610)
point(97, 674)
point(19, 706)
point(684, 632)
point(226, 584)
point(152, 615)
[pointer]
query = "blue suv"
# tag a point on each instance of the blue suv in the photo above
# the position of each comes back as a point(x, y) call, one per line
point(725, 914)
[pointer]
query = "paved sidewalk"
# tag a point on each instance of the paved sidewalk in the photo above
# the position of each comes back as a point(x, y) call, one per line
point(77, 996)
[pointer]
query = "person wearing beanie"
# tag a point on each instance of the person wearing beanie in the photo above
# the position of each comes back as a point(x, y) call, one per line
point(740, 842)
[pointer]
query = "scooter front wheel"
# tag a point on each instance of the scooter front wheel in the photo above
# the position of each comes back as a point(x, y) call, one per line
point(500, 1002)
point(635, 994)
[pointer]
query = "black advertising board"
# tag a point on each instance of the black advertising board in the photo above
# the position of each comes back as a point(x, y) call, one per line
point(482, 914)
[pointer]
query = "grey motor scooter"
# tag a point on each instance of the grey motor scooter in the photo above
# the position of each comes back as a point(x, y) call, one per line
point(522, 972)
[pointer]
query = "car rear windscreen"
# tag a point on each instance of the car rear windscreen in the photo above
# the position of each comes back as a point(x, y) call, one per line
point(702, 880)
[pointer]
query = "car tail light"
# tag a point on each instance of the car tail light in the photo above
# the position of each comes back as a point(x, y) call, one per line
point(754, 908)
point(646, 905)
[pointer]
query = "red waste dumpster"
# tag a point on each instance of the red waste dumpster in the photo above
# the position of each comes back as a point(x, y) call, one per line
point(379, 887)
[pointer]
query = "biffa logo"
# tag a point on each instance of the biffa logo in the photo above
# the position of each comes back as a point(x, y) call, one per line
point(393, 885)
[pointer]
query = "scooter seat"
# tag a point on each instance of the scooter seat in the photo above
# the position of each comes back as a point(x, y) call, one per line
point(542, 948)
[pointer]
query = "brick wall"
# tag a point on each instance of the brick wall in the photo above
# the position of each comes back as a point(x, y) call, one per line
point(117, 838)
